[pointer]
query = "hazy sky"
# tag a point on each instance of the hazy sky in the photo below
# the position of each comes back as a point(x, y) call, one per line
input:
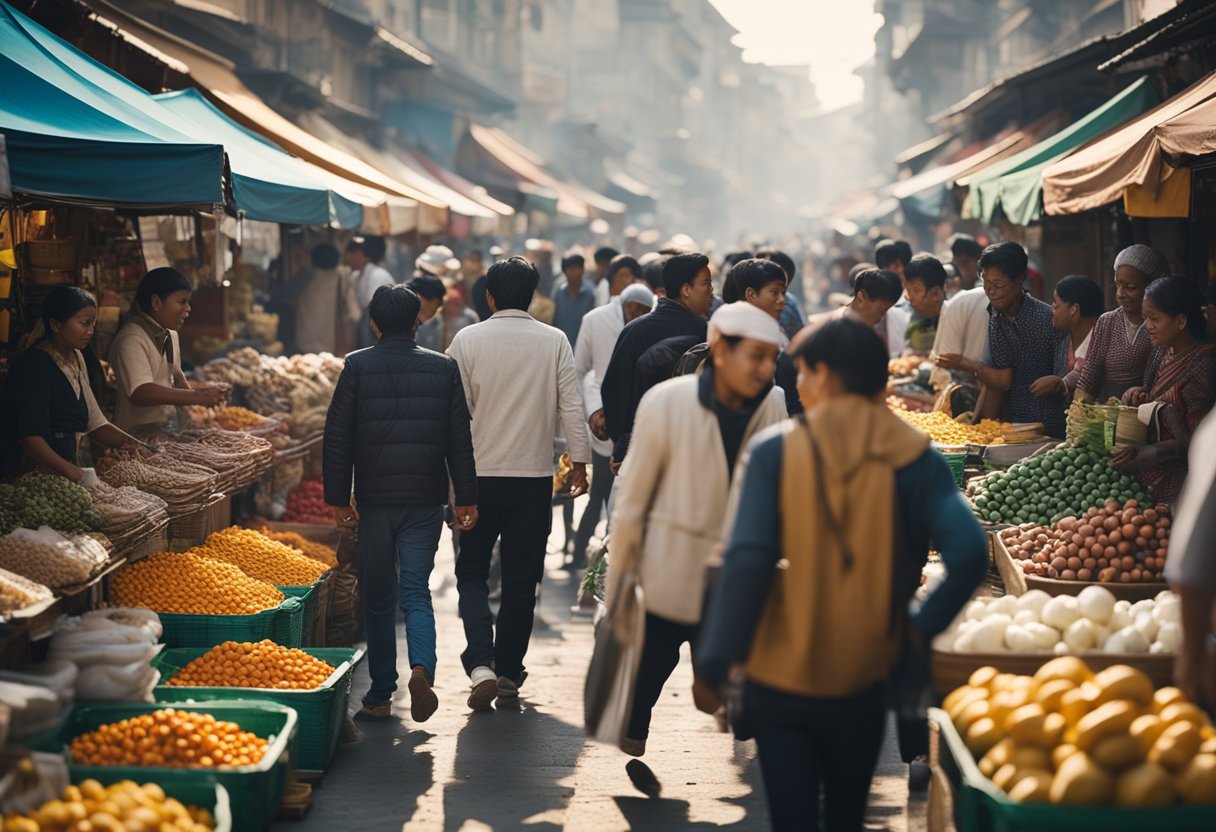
point(833, 36)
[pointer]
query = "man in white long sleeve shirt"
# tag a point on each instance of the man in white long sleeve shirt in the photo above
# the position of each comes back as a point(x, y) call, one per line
point(519, 380)
point(962, 329)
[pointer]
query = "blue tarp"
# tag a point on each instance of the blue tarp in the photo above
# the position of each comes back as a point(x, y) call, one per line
point(268, 183)
point(76, 130)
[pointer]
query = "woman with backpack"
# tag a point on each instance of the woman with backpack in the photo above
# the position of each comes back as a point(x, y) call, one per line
point(834, 516)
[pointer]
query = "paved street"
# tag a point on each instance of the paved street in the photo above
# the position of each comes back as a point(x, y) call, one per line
point(531, 767)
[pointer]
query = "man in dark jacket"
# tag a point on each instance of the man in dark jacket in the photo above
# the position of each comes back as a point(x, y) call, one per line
point(398, 422)
point(684, 311)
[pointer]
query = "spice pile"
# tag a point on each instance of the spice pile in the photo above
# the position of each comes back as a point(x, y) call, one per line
point(248, 665)
point(261, 558)
point(231, 418)
point(125, 806)
point(317, 551)
point(184, 486)
point(38, 499)
point(192, 585)
point(52, 559)
point(170, 738)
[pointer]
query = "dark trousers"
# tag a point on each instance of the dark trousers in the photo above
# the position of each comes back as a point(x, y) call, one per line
point(660, 655)
point(601, 487)
point(805, 744)
point(519, 509)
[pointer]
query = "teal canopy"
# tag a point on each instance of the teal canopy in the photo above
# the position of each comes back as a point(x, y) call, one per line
point(268, 183)
point(1015, 185)
point(76, 130)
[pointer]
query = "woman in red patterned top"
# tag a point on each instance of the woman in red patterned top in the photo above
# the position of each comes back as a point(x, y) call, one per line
point(1118, 347)
point(1181, 378)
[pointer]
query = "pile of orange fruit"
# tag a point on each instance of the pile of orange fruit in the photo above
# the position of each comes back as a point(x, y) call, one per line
point(238, 418)
point(261, 558)
point(254, 665)
point(191, 585)
point(125, 806)
point(317, 551)
point(169, 738)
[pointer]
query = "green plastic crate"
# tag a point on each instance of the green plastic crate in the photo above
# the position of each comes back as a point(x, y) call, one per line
point(978, 804)
point(290, 624)
point(210, 630)
point(254, 792)
point(311, 596)
point(320, 711)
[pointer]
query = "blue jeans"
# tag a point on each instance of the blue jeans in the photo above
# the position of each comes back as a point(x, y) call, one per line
point(396, 556)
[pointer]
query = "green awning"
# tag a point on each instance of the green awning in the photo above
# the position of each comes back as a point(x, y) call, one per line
point(268, 183)
point(76, 130)
point(1015, 185)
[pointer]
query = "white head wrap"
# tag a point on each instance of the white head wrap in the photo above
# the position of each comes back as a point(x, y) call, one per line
point(1145, 259)
point(638, 293)
point(742, 320)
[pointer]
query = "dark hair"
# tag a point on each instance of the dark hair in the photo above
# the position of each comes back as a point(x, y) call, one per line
point(781, 259)
point(394, 309)
point(161, 282)
point(734, 258)
point(858, 269)
point(1083, 291)
point(888, 252)
point(1008, 256)
point(1176, 295)
point(652, 273)
point(619, 263)
point(879, 284)
point(374, 248)
point(427, 286)
point(325, 256)
point(752, 274)
point(62, 302)
point(853, 351)
point(682, 269)
point(966, 245)
point(605, 254)
point(573, 260)
point(512, 283)
point(927, 269)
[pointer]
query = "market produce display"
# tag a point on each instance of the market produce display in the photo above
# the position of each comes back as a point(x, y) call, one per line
point(125, 806)
point(1047, 488)
point(169, 738)
point(317, 551)
point(306, 503)
point(249, 665)
point(18, 593)
point(183, 486)
point(192, 585)
point(260, 557)
point(38, 499)
point(1103, 427)
point(905, 365)
point(230, 418)
point(1111, 543)
point(1093, 621)
point(1068, 736)
point(52, 559)
point(128, 512)
point(948, 431)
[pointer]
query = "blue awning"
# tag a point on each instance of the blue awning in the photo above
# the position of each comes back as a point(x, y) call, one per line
point(76, 130)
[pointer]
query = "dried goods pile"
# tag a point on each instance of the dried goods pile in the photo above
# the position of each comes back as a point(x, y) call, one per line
point(169, 738)
point(184, 486)
point(306, 503)
point(231, 418)
point(317, 551)
point(192, 585)
point(947, 431)
point(52, 559)
point(260, 557)
point(1070, 737)
point(125, 806)
point(249, 665)
point(1047, 488)
point(18, 592)
point(1110, 543)
point(130, 514)
point(38, 499)
point(300, 385)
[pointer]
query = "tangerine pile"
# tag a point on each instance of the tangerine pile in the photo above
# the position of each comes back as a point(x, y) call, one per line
point(942, 428)
point(317, 551)
point(192, 585)
point(169, 738)
point(248, 665)
point(238, 418)
point(125, 806)
point(260, 557)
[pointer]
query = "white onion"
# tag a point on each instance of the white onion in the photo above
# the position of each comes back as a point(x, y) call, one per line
point(1096, 603)
point(1061, 611)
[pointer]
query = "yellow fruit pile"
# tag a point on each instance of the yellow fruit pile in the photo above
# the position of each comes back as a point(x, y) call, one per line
point(260, 557)
point(941, 428)
point(169, 738)
point(261, 665)
point(123, 807)
point(1068, 736)
point(317, 551)
point(238, 418)
point(192, 585)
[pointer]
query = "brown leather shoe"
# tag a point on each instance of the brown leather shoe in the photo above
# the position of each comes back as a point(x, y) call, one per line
point(375, 711)
point(423, 701)
point(483, 695)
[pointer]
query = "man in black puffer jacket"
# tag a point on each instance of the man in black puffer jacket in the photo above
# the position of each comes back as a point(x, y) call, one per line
point(399, 423)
